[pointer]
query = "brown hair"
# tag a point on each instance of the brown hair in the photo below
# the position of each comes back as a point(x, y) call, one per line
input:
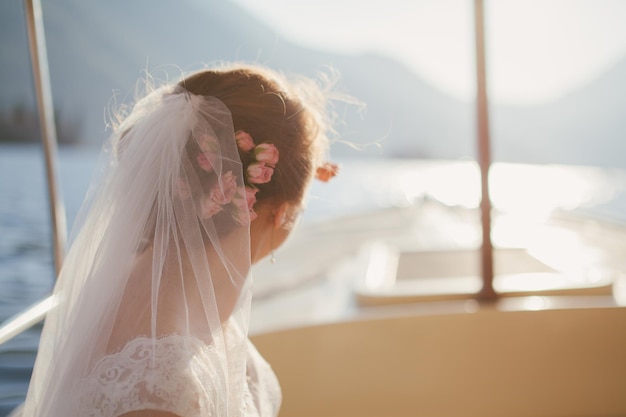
point(290, 116)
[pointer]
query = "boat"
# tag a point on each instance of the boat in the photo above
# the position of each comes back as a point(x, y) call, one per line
point(369, 337)
point(379, 324)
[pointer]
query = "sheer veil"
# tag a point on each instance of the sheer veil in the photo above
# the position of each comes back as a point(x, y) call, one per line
point(153, 300)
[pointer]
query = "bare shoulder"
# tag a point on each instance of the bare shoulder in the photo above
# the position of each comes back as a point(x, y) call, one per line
point(149, 413)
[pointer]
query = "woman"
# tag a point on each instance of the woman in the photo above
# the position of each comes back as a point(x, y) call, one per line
point(206, 177)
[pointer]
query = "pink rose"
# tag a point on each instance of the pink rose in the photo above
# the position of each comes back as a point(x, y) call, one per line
point(205, 163)
point(250, 197)
point(238, 199)
point(225, 189)
point(244, 202)
point(266, 152)
point(259, 173)
point(244, 141)
point(208, 143)
point(209, 208)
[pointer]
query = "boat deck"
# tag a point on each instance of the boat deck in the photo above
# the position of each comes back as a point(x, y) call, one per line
point(424, 259)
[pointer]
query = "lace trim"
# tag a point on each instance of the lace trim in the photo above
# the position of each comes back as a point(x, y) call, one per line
point(172, 373)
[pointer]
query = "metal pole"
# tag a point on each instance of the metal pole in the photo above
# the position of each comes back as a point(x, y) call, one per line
point(41, 77)
point(484, 153)
point(26, 319)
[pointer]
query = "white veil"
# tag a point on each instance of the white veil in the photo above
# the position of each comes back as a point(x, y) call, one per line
point(153, 299)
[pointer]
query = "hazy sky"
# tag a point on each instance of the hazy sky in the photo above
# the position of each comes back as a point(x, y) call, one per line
point(537, 49)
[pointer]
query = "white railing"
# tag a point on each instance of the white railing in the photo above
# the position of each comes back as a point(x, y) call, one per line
point(26, 319)
point(41, 77)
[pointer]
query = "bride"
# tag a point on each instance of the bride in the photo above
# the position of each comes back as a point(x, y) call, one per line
point(205, 177)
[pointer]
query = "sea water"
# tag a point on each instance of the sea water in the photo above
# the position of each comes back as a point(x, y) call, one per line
point(26, 265)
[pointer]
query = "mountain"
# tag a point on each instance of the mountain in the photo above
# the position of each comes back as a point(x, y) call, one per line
point(586, 126)
point(99, 49)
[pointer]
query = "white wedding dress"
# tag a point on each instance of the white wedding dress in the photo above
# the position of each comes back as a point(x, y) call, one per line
point(177, 379)
point(177, 383)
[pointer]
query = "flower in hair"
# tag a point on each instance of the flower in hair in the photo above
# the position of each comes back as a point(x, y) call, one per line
point(251, 197)
point(209, 208)
point(259, 173)
point(221, 194)
point(266, 152)
point(327, 171)
point(208, 143)
point(205, 162)
point(210, 149)
point(224, 191)
point(265, 158)
point(244, 201)
point(244, 141)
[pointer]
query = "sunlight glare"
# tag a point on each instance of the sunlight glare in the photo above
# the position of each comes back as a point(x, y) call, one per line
point(455, 184)
point(537, 190)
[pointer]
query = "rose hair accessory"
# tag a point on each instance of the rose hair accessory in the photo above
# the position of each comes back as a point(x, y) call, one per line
point(327, 171)
point(259, 171)
point(265, 157)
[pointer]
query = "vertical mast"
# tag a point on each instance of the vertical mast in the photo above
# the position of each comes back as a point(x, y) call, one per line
point(41, 77)
point(484, 153)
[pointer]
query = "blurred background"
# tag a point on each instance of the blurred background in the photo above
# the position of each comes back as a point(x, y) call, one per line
point(556, 68)
point(556, 75)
